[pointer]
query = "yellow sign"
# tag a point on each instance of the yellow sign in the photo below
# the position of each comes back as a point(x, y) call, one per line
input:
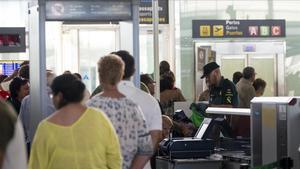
point(205, 30)
point(218, 30)
point(269, 117)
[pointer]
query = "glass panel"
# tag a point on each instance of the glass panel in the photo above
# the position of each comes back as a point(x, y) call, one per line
point(94, 44)
point(146, 49)
point(264, 68)
point(146, 52)
point(53, 45)
point(231, 65)
point(70, 51)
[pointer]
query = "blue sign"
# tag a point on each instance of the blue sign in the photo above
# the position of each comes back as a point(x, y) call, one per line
point(9, 68)
point(249, 48)
point(85, 77)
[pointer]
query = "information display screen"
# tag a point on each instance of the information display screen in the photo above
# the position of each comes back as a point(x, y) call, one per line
point(12, 39)
point(8, 67)
point(88, 10)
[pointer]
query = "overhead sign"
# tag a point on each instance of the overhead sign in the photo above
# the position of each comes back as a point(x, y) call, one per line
point(238, 28)
point(88, 10)
point(146, 11)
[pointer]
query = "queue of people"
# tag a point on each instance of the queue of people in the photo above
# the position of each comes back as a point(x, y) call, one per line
point(119, 126)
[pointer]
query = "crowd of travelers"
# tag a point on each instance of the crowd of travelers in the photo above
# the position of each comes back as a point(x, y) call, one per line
point(117, 126)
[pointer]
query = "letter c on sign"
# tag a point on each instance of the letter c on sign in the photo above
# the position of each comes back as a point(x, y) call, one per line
point(276, 31)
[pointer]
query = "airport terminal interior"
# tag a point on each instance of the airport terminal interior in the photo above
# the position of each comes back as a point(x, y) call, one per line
point(154, 84)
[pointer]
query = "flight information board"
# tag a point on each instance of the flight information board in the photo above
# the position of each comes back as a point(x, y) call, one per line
point(7, 68)
point(12, 39)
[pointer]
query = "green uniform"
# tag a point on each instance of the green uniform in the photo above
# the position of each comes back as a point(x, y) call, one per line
point(224, 94)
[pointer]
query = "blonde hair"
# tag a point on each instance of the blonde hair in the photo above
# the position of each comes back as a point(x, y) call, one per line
point(167, 120)
point(110, 69)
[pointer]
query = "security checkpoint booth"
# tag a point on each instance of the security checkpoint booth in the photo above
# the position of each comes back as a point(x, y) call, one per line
point(275, 130)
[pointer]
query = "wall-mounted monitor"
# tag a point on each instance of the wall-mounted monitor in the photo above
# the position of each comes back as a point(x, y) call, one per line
point(12, 39)
point(7, 67)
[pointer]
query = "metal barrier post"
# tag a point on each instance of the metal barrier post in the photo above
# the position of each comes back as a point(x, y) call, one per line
point(155, 20)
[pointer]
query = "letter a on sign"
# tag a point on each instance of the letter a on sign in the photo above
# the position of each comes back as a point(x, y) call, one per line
point(253, 30)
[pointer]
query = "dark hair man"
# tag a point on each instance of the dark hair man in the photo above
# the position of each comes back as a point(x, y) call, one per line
point(236, 77)
point(245, 88)
point(246, 92)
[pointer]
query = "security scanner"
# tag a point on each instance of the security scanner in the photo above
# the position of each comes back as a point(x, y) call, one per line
point(225, 113)
point(195, 147)
point(195, 152)
point(199, 146)
point(229, 142)
point(235, 151)
point(275, 130)
point(189, 152)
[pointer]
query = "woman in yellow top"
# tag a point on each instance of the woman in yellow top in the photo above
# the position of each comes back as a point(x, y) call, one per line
point(74, 137)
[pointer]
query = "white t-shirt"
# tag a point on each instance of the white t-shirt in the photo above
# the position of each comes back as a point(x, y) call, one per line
point(15, 155)
point(148, 104)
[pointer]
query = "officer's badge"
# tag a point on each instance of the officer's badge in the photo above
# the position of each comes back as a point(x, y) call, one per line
point(228, 99)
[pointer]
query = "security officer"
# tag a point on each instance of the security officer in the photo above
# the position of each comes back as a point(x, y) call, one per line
point(222, 94)
point(222, 91)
